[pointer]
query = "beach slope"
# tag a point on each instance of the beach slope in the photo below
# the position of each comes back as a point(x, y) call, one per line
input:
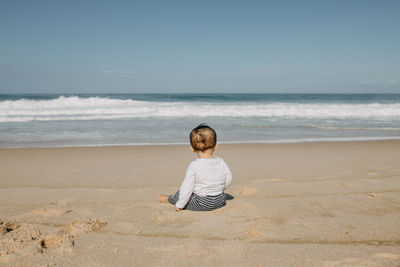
point(308, 204)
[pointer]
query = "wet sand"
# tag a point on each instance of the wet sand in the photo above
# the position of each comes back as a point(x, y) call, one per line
point(311, 204)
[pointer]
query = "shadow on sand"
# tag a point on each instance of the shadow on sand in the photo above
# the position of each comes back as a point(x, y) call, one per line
point(229, 196)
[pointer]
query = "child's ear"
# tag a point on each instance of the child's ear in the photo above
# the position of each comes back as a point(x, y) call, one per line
point(191, 148)
point(216, 146)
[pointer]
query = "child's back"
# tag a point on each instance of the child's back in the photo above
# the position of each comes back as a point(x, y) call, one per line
point(206, 177)
point(212, 176)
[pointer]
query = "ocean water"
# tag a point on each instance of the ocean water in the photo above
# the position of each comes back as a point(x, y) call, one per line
point(144, 119)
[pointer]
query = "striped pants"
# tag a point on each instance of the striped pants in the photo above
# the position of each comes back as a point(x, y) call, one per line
point(198, 203)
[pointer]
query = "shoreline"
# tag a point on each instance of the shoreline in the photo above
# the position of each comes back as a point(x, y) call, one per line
point(286, 141)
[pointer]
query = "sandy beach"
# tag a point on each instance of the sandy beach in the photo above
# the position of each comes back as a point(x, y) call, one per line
point(306, 204)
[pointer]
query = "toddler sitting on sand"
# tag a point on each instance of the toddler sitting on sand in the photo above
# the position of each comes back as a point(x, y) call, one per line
point(206, 177)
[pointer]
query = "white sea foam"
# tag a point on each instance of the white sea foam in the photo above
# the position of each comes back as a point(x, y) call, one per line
point(98, 108)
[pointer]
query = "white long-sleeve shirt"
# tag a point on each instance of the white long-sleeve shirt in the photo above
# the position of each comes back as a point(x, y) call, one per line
point(204, 177)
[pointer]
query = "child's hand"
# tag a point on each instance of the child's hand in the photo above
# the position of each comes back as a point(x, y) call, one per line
point(177, 209)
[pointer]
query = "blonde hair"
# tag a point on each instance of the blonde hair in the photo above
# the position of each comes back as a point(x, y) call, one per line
point(203, 137)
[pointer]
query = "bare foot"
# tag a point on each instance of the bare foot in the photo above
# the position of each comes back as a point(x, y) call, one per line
point(163, 198)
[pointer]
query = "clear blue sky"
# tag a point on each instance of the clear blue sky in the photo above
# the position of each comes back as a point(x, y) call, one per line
point(199, 46)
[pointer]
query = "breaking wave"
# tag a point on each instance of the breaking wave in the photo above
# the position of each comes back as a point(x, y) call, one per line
point(102, 108)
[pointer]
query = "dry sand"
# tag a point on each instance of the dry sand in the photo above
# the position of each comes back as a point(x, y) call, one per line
point(313, 204)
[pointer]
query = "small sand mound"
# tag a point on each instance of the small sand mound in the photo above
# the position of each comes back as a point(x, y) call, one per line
point(90, 225)
point(248, 190)
point(252, 233)
point(373, 195)
point(387, 256)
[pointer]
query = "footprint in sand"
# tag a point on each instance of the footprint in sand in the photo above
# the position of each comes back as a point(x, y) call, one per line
point(6, 227)
point(248, 190)
point(20, 239)
point(252, 233)
point(34, 239)
point(57, 241)
point(65, 239)
point(90, 225)
point(50, 212)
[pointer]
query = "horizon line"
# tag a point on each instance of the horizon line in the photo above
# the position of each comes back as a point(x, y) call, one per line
point(201, 93)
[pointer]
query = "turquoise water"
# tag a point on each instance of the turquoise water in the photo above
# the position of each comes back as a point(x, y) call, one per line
point(129, 119)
